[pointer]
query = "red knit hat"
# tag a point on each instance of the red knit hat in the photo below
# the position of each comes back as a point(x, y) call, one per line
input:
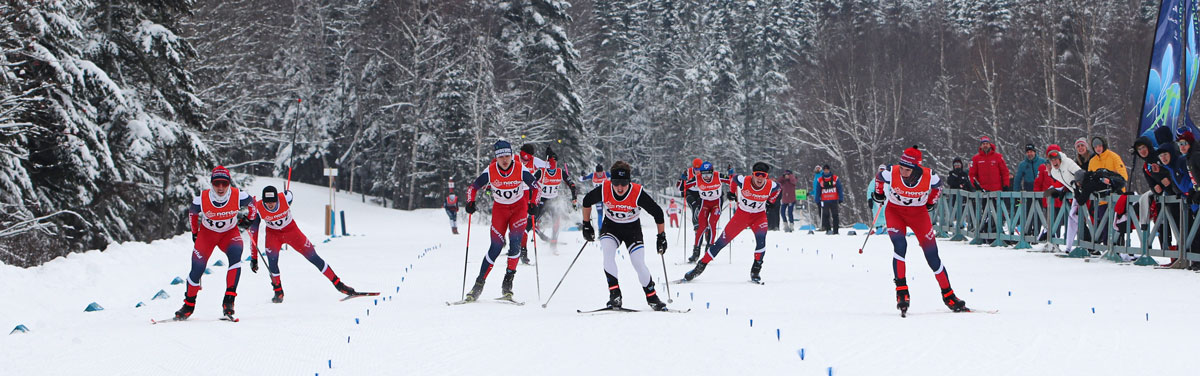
point(220, 173)
point(911, 157)
point(1186, 136)
point(697, 162)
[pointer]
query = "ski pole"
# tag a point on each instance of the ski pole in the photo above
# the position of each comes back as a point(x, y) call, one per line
point(872, 230)
point(666, 279)
point(564, 277)
point(466, 257)
point(536, 268)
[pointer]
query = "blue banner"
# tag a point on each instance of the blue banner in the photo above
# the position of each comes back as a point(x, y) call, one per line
point(1163, 100)
point(1191, 63)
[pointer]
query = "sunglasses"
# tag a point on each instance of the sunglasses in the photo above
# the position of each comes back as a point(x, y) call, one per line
point(1182, 143)
point(220, 183)
point(760, 174)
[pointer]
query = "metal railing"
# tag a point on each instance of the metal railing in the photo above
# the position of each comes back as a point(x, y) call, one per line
point(1020, 218)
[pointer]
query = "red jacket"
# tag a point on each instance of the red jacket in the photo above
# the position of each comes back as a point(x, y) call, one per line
point(989, 170)
point(1044, 182)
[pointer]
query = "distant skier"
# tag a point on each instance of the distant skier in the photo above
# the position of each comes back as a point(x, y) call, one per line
point(673, 212)
point(622, 200)
point(514, 193)
point(911, 191)
point(597, 178)
point(281, 229)
point(451, 207)
point(708, 186)
point(551, 179)
point(215, 216)
point(752, 196)
point(689, 192)
point(532, 164)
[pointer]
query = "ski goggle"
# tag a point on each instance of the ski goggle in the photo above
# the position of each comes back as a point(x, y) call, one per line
point(760, 174)
point(1182, 143)
point(1054, 155)
point(220, 183)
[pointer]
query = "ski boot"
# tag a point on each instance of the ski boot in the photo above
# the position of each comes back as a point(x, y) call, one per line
point(475, 290)
point(525, 256)
point(454, 230)
point(614, 297)
point(754, 269)
point(278, 287)
point(342, 288)
point(695, 254)
point(695, 272)
point(506, 286)
point(953, 302)
point(902, 298)
point(189, 305)
point(652, 298)
point(227, 303)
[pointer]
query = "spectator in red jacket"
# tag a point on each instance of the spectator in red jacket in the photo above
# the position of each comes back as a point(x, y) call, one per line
point(988, 171)
point(1044, 181)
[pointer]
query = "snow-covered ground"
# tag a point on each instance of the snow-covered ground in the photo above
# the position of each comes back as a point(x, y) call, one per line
point(821, 299)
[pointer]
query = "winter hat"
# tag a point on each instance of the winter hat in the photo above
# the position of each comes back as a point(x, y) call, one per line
point(1102, 142)
point(1142, 141)
point(882, 167)
point(706, 167)
point(550, 153)
point(911, 157)
point(620, 173)
point(502, 149)
point(270, 194)
point(697, 162)
point(220, 173)
point(1030, 147)
point(599, 168)
point(985, 140)
point(1053, 151)
point(763, 167)
point(1187, 136)
point(527, 149)
point(817, 169)
point(1081, 140)
point(957, 160)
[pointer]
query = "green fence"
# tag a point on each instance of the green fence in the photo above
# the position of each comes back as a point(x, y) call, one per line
point(1019, 218)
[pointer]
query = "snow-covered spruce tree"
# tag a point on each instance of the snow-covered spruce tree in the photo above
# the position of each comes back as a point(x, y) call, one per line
point(113, 149)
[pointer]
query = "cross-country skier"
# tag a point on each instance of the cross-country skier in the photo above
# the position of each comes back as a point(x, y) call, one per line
point(673, 212)
point(514, 194)
point(451, 207)
point(597, 178)
point(281, 229)
point(551, 179)
point(532, 164)
point(911, 191)
point(708, 188)
point(622, 200)
point(689, 192)
point(752, 196)
point(215, 216)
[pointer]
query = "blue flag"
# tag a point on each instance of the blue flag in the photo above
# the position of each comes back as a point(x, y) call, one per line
point(1162, 106)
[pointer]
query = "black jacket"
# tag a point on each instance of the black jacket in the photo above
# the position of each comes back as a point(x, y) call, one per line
point(1092, 183)
point(958, 178)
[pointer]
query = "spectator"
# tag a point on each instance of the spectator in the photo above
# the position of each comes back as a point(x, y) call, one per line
point(830, 196)
point(880, 219)
point(958, 176)
point(1187, 146)
point(1064, 172)
point(1143, 147)
point(988, 171)
point(1082, 154)
point(816, 194)
point(1046, 184)
point(787, 183)
point(1105, 159)
point(1027, 170)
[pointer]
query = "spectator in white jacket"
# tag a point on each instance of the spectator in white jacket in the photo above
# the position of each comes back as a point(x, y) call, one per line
point(1064, 170)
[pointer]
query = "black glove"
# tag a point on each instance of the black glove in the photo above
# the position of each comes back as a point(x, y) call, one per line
point(470, 207)
point(243, 222)
point(254, 262)
point(730, 196)
point(878, 197)
point(193, 238)
point(930, 206)
point(533, 208)
point(662, 243)
point(589, 233)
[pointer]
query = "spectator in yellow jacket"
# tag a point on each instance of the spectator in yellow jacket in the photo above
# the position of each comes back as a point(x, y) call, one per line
point(1106, 159)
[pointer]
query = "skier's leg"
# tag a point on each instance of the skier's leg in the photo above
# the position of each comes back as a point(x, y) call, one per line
point(232, 246)
point(637, 256)
point(609, 244)
point(896, 231)
point(702, 223)
point(500, 216)
point(923, 230)
point(516, 232)
point(203, 248)
point(735, 226)
point(759, 227)
point(714, 216)
point(1073, 226)
point(300, 243)
point(273, 243)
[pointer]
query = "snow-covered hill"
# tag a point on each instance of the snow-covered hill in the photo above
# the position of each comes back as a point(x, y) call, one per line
point(822, 299)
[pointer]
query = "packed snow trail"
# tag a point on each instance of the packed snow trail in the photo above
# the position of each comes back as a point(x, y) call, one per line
point(820, 296)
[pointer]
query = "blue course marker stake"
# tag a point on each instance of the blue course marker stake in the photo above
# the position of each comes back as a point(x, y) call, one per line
point(1047, 302)
point(778, 337)
point(397, 289)
point(376, 301)
point(706, 305)
point(1147, 316)
point(1093, 310)
point(1010, 293)
point(693, 295)
point(751, 323)
point(727, 312)
point(356, 321)
point(401, 279)
point(368, 312)
point(801, 353)
point(331, 363)
point(347, 339)
point(972, 289)
point(830, 369)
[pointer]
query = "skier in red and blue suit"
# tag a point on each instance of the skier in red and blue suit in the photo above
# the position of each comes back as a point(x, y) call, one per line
point(515, 195)
point(215, 215)
point(281, 229)
point(752, 195)
point(597, 178)
point(912, 191)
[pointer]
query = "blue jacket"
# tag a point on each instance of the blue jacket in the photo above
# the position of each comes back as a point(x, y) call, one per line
point(1027, 172)
point(882, 221)
point(816, 188)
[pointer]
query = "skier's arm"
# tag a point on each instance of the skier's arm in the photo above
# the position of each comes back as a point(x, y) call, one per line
point(935, 188)
point(479, 183)
point(532, 183)
point(585, 178)
point(774, 196)
point(194, 216)
point(591, 199)
point(571, 185)
point(647, 203)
